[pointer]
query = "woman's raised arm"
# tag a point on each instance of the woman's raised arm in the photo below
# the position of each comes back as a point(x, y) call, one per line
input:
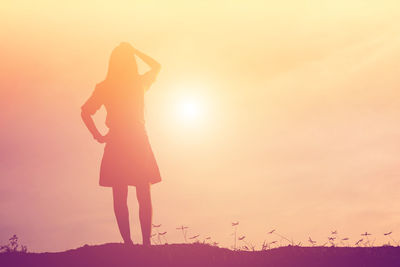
point(149, 77)
point(154, 65)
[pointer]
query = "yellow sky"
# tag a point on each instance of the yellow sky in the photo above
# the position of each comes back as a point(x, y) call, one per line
point(299, 131)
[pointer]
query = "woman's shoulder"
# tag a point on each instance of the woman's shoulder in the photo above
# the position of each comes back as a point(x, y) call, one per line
point(101, 85)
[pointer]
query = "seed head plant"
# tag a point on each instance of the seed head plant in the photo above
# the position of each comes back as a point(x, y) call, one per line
point(184, 231)
point(163, 234)
point(235, 225)
point(312, 241)
point(195, 238)
point(13, 246)
point(389, 235)
point(366, 234)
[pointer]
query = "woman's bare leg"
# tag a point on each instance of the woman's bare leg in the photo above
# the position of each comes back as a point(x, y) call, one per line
point(145, 211)
point(120, 195)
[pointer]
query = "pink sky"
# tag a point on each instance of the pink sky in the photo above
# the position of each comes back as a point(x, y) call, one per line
point(298, 128)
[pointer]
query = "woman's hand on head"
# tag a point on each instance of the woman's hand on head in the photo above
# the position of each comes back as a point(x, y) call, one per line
point(127, 46)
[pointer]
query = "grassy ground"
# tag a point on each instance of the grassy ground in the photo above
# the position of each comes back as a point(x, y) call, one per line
point(116, 255)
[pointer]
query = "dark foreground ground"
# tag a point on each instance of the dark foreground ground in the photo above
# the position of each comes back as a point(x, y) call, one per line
point(178, 255)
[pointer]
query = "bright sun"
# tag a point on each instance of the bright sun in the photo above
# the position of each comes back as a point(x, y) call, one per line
point(191, 104)
point(190, 109)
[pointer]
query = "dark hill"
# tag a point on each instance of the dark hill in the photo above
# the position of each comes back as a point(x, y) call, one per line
point(116, 255)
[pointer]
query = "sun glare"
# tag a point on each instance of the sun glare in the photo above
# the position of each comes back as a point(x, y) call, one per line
point(190, 109)
point(192, 104)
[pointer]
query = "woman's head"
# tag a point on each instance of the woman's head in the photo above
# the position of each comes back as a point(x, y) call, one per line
point(122, 65)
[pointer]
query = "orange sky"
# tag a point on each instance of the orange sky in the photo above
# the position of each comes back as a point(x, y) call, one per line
point(298, 131)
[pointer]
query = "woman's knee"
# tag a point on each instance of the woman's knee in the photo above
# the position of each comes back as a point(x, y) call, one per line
point(120, 195)
point(143, 195)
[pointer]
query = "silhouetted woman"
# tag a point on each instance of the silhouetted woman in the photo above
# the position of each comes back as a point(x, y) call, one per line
point(128, 158)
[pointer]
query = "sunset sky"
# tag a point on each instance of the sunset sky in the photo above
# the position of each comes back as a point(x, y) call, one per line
point(277, 115)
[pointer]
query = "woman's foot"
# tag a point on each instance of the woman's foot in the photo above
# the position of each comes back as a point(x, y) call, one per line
point(128, 243)
point(146, 243)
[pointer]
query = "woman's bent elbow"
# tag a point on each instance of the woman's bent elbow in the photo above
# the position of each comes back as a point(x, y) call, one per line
point(158, 67)
point(84, 114)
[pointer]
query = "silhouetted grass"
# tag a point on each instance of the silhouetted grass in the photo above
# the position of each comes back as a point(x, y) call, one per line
point(197, 253)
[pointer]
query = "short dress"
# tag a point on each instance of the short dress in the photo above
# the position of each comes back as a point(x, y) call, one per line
point(128, 158)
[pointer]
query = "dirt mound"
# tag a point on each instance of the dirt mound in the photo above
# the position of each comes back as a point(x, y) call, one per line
point(177, 255)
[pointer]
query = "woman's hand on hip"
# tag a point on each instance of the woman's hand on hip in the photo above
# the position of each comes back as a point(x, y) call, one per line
point(101, 138)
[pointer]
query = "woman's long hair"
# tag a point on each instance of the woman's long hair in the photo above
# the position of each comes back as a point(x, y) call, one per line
point(122, 67)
